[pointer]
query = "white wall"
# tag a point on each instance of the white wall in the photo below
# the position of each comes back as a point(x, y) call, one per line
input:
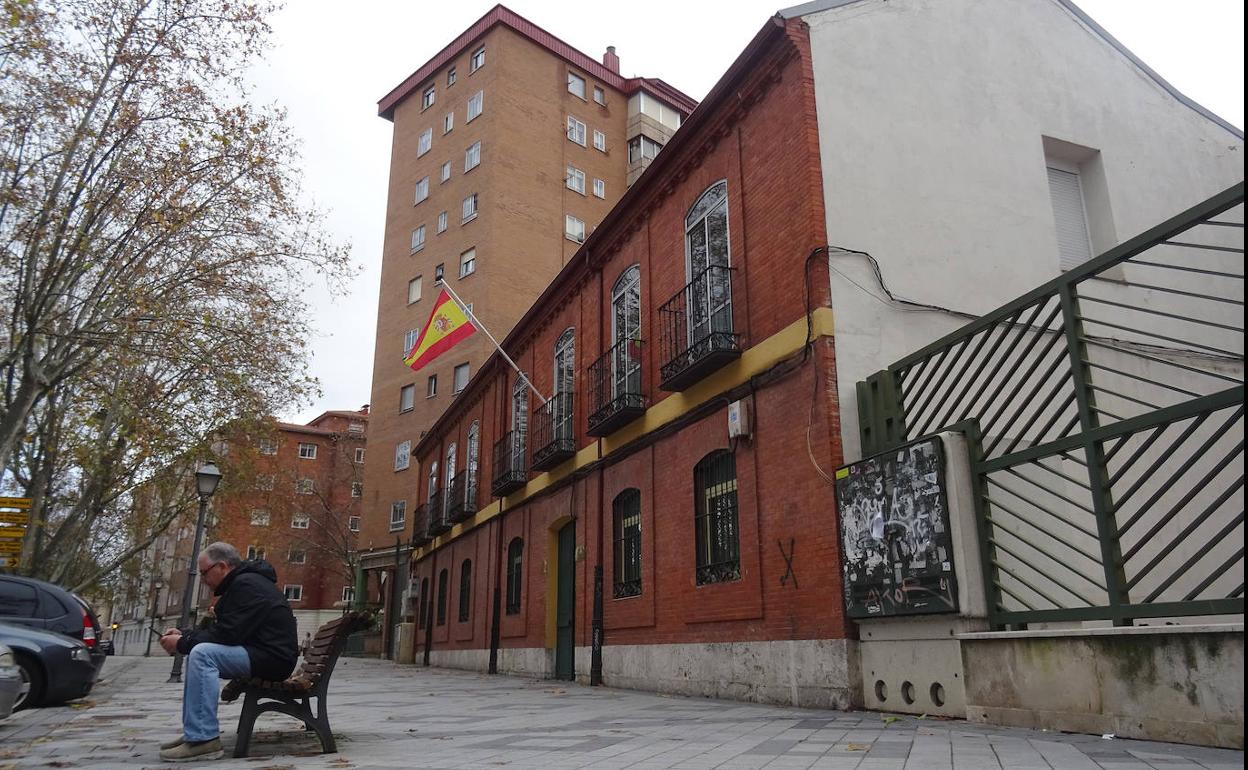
point(931, 119)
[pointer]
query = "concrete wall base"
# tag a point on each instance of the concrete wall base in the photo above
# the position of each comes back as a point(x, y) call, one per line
point(466, 660)
point(1183, 684)
point(809, 673)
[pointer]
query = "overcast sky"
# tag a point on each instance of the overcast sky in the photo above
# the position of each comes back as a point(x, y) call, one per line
point(331, 61)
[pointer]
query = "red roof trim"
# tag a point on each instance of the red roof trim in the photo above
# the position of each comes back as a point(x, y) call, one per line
point(502, 15)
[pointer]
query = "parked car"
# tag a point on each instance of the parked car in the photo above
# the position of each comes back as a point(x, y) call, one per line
point(10, 681)
point(38, 604)
point(52, 668)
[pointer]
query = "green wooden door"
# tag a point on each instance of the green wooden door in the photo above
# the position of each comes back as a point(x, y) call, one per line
point(565, 611)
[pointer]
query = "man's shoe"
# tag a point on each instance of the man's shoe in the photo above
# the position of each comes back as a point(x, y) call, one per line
point(171, 744)
point(193, 752)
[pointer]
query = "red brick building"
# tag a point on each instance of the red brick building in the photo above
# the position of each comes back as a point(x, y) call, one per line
point(677, 480)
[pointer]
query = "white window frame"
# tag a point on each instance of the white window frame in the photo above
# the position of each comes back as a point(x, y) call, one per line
point(307, 451)
point(476, 105)
point(407, 398)
point(293, 592)
point(300, 552)
point(418, 239)
point(575, 180)
point(414, 289)
point(348, 594)
point(576, 131)
point(469, 212)
point(359, 455)
point(600, 141)
point(353, 523)
point(357, 489)
point(448, 123)
point(445, 175)
point(571, 225)
point(576, 85)
point(300, 521)
point(267, 446)
point(477, 61)
point(472, 157)
point(442, 219)
point(600, 188)
point(600, 95)
point(409, 339)
point(456, 384)
point(305, 486)
point(431, 386)
point(399, 521)
point(422, 190)
point(260, 517)
point(254, 553)
point(428, 97)
point(402, 455)
point(468, 263)
point(425, 143)
point(451, 77)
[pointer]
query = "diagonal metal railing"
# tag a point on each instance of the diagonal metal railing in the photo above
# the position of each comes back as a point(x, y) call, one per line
point(1105, 410)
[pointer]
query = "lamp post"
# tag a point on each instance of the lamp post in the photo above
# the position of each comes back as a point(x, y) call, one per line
point(206, 480)
point(157, 584)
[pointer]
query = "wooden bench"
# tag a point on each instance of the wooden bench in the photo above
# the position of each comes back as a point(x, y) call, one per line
point(293, 696)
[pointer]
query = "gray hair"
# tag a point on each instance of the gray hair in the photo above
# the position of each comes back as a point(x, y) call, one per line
point(223, 552)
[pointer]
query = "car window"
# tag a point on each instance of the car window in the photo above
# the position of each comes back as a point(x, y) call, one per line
point(17, 600)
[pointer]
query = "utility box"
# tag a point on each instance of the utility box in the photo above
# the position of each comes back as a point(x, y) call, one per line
point(911, 568)
point(405, 643)
point(739, 419)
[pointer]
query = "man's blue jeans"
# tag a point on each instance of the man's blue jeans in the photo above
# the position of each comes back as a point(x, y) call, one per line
point(206, 666)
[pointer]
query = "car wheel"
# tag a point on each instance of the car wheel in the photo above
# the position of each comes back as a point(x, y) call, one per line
point(30, 691)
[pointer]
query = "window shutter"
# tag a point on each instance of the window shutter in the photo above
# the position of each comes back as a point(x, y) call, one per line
point(1073, 244)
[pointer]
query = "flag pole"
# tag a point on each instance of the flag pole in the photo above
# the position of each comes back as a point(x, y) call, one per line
point(477, 322)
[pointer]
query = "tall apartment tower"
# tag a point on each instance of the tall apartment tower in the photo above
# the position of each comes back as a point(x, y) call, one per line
point(509, 147)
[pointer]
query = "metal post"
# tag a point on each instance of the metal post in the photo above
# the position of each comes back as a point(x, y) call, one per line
point(192, 572)
point(595, 657)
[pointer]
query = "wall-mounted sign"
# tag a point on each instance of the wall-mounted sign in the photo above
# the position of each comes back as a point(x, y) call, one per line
point(896, 553)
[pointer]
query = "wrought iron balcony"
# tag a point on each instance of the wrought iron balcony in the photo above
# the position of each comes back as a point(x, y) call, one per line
point(696, 325)
point(438, 522)
point(554, 439)
point(420, 526)
point(615, 397)
point(461, 502)
point(510, 471)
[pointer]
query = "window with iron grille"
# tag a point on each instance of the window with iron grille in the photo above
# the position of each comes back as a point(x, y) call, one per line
point(465, 590)
point(626, 512)
point(715, 518)
point(515, 564)
point(442, 588)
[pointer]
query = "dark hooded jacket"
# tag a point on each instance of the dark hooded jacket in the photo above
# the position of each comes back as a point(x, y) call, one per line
point(253, 613)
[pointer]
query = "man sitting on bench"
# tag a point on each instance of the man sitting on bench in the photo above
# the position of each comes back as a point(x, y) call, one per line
point(253, 634)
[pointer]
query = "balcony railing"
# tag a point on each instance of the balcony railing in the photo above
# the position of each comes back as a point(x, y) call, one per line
point(554, 439)
point(510, 471)
point(615, 397)
point(461, 502)
point(696, 324)
point(420, 526)
point(438, 522)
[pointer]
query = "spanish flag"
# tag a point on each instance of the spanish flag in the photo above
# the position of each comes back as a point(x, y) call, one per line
point(447, 325)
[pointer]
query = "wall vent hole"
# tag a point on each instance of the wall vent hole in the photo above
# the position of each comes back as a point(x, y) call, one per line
point(881, 690)
point(938, 693)
point(907, 692)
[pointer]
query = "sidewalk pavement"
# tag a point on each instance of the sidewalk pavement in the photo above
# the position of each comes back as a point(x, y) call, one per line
point(389, 716)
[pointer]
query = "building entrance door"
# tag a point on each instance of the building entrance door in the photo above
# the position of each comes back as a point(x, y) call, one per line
point(565, 611)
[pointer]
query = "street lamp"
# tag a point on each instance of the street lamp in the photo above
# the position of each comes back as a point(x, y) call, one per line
point(206, 480)
point(157, 584)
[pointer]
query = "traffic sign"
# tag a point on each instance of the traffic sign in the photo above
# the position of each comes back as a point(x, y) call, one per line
point(22, 503)
point(12, 562)
point(17, 532)
point(10, 546)
point(14, 517)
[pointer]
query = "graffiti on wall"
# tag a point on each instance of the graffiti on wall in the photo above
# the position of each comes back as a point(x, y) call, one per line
point(896, 550)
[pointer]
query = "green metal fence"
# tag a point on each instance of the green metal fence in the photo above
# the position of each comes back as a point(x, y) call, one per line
point(1105, 412)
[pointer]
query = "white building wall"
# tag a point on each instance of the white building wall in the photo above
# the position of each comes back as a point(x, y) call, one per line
point(932, 121)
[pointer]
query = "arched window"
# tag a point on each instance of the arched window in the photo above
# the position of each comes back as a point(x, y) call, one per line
point(451, 453)
point(706, 263)
point(565, 376)
point(515, 563)
point(626, 329)
point(424, 603)
point(473, 461)
point(442, 588)
point(519, 423)
point(465, 590)
point(715, 518)
point(626, 512)
point(433, 483)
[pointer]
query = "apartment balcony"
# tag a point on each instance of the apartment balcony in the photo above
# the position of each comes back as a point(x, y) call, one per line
point(420, 526)
point(615, 397)
point(510, 471)
point(461, 501)
point(554, 439)
point(438, 522)
point(697, 330)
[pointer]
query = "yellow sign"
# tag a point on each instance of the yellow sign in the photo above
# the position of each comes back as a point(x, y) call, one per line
point(17, 532)
point(12, 562)
point(22, 503)
point(10, 546)
point(14, 517)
